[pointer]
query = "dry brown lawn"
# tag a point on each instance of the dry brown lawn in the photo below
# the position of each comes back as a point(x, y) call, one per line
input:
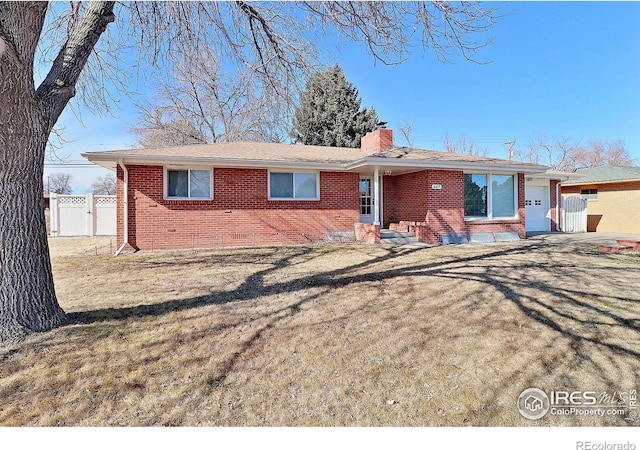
point(340, 335)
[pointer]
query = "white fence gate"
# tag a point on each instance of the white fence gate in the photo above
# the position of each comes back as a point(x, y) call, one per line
point(83, 215)
point(574, 215)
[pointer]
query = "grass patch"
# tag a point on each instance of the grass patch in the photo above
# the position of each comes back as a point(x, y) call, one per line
point(327, 335)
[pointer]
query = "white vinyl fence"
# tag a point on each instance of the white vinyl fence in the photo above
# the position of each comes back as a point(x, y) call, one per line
point(83, 215)
point(574, 214)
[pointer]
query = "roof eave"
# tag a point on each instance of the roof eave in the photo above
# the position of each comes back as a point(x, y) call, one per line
point(555, 176)
point(110, 160)
point(448, 165)
point(109, 163)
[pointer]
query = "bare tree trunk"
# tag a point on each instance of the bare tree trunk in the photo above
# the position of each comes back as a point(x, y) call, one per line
point(28, 300)
point(27, 297)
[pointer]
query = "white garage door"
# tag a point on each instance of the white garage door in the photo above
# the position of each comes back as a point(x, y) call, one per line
point(536, 208)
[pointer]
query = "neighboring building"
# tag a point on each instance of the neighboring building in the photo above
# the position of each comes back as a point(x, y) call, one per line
point(613, 197)
point(252, 192)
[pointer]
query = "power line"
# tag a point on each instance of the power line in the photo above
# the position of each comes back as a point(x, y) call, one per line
point(72, 165)
point(469, 138)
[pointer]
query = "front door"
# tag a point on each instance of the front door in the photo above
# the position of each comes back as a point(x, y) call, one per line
point(535, 209)
point(366, 200)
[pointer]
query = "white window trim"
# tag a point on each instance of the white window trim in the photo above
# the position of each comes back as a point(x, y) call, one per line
point(489, 215)
point(589, 197)
point(165, 187)
point(293, 199)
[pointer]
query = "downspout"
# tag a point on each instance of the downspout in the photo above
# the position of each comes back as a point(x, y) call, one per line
point(558, 202)
point(126, 207)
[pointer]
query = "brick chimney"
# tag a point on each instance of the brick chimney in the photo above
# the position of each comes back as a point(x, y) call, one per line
point(377, 140)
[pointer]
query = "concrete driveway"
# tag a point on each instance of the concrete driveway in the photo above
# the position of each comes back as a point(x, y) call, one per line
point(595, 238)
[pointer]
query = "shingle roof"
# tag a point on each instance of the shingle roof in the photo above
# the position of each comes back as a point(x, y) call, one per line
point(248, 151)
point(266, 151)
point(434, 155)
point(605, 174)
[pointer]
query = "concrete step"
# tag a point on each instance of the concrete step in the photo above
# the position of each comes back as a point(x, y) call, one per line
point(399, 241)
point(394, 234)
point(397, 237)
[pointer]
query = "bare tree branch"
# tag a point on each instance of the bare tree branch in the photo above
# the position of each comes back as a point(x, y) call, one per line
point(104, 185)
point(59, 183)
point(406, 128)
point(388, 29)
point(567, 156)
point(59, 86)
point(221, 106)
point(463, 147)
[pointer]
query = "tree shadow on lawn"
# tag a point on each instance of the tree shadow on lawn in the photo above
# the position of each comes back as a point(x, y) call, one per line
point(254, 286)
point(536, 288)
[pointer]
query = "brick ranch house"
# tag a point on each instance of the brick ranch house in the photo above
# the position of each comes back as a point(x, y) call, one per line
point(245, 193)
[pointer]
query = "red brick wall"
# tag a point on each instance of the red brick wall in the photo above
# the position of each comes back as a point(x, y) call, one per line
point(410, 198)
point(239, 209)
point(405, 197)
point(367, 232)
point(377, 140)
point(446, 206)
point(241, 214)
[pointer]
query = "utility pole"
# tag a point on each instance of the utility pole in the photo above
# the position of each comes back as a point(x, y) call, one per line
point(510, 144)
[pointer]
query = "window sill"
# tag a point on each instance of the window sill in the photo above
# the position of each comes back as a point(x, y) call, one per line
point(294, 199)
point(188, 199)
point(484, 220)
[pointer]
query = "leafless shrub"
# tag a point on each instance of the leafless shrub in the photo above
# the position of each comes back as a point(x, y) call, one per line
point(104, 185)
point(463, 146)
point(59, 183)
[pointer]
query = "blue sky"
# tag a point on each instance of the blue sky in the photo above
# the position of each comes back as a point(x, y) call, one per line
point(564, 69)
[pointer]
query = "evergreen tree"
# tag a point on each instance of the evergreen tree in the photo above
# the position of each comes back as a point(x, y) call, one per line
point(329, 113)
